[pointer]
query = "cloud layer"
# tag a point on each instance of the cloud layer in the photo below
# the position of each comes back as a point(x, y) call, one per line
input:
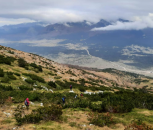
point(49, 43)
point(141, 23)
point(43, 42)
point(61, 11)
point(135, 50)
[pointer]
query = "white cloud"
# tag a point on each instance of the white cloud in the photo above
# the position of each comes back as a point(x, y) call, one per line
point(60, 11)
point(78, 46)
point(89, 23)
point(13, 21)
point(135, 49)
point(141, 23)
point(43, 42)
point(67, 25)
point(48, 43)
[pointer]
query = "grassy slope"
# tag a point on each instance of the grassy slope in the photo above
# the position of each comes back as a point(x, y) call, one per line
point(72, 118)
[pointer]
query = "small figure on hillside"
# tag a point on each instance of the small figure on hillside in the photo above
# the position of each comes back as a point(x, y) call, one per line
point(70, 87)
point(81, 95)
point(63, 99)
point(76, 96)
point(26, 102)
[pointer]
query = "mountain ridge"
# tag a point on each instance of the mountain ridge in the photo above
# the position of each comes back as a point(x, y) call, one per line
point(131, 49)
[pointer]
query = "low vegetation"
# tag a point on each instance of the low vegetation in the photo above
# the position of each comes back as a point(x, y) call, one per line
point(52, 112)
point(104, 105)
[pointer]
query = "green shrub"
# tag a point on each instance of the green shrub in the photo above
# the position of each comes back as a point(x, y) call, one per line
point(5, 60)
point(40, 68)
point(138, 125)
point(18, 114)
point(72, 124)
point(103, 88)
point(50, 73)
point(70, 72)
point(10, 59)
point(9, 73)
point(73, 80)
point(5, 88)
point(52, 84)
point(52, 112)
point(36, 66)
point(1, 73)
point(33, 65)
point(57, 77)
point(93, 88)
point(30, 81)
point(5, 79)
point(66, 84)
point(11, 52)
point(2, 87)
point(100, 119)
point(82, 82)
point(3, 97)
point(8, 88)
point(20, 95)
point(95, 97)
point(22, 62)
point(26, 67)
point(31, 118)
point(12, 77)
point(95, 107)
point(35, 77)
point(22, 87)
point(6, 121)
point(117, 104)
point(82, 103)
point(82, 89)
point(17, 74)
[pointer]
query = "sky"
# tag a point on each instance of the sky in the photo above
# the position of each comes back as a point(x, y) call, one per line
point(139, 12)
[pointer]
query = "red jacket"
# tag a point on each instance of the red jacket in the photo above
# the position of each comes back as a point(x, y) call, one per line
point(28, 101)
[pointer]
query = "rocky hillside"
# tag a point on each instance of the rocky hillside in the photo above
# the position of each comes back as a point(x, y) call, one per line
point(25, 75)
point(53, 71)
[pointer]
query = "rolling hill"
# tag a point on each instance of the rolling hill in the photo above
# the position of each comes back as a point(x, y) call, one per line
point(115, 97)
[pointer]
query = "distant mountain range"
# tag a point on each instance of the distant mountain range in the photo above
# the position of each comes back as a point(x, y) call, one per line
point(75, 43)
